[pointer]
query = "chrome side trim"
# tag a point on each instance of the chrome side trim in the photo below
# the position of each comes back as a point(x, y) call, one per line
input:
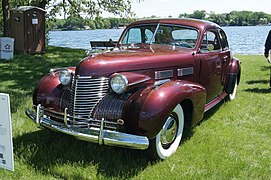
point(163, 74)
point(94, 135)
point(186, 71)
point(138, 82)
point(158, 83)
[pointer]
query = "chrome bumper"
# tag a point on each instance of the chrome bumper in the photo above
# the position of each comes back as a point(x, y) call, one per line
point(94, 135)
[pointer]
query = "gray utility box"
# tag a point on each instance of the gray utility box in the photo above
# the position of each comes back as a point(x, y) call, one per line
point(6, 48)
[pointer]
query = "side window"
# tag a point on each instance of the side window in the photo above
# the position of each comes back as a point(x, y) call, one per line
point(133, 36)
point(179, 36)
point(163, 35)
point(185, 37)
point(224, 41)
point(148, 36)
point(210, 41)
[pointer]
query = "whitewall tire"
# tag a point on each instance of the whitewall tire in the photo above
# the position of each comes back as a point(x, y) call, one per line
point(233, 94)
point(167, 141)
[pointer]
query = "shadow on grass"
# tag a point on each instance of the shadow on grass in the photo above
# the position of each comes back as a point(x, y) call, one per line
point(46, 151)
point(258, 90)
point(207, 115)
point(20, 75)
point(266, 68)
point(258, 82)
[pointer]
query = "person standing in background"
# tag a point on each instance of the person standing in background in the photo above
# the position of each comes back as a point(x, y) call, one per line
point(267, 45)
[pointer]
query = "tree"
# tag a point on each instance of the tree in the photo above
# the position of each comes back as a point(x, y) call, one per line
point(69, 8)
point(234, 18)
point(198, 14)
point(6, 17)
point(217, 18)
point(184, 15)
point(87, 8)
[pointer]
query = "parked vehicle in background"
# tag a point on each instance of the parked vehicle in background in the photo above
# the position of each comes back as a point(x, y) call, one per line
point(147, 92)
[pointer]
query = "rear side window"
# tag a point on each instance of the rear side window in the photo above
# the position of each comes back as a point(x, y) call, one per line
point(210, 41)
point(224, 41)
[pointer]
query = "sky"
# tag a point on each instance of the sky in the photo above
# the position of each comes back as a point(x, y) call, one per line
point(165, 8)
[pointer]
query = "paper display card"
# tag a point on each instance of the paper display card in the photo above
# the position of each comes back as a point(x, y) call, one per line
point(6, 147)
point(35, 21)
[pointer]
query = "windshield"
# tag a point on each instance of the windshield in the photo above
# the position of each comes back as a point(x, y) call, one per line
point(179, 36)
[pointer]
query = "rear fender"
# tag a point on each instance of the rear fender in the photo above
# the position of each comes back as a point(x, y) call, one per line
point(233, 74)
point(161, 101)
point(234, 66)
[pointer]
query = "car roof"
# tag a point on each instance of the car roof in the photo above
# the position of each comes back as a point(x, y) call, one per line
point(197, 23)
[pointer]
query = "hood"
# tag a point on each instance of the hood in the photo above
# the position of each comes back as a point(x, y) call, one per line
point(132, 60)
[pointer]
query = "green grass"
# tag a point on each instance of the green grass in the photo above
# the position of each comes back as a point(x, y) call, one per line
point(232, 142)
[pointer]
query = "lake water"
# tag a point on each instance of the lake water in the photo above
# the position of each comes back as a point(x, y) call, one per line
point(242, 40)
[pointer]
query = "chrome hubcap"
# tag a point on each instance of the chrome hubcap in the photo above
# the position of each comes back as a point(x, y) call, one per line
point(169, 132)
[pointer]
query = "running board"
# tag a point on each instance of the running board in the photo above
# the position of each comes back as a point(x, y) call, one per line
point(214, 102)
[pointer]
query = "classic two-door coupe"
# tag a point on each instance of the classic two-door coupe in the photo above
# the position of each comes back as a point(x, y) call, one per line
point(147, 92)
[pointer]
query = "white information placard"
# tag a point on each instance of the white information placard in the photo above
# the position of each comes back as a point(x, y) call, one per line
point(6, 146)
point(35, 21)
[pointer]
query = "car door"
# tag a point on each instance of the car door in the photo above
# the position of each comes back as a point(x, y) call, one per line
point(210, 57)
point(225, 55)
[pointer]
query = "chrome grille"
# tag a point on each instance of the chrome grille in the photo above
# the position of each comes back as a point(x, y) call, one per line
point(87, 93)
point(111, 107)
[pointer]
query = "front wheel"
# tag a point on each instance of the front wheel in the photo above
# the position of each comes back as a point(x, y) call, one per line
point(167, 141)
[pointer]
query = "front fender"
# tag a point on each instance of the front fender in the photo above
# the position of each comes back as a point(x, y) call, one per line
point(160, 101)
point(49, 90)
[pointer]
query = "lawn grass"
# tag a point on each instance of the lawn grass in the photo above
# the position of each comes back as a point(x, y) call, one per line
point(232, 141)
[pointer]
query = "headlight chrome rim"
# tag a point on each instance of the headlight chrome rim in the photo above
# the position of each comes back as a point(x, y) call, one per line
point(65, 76)
point(119, 83)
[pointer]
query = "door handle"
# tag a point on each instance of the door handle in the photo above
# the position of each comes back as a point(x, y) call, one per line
point(225, 58)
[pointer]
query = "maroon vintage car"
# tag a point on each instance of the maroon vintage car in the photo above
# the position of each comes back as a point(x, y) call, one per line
point(147, 92)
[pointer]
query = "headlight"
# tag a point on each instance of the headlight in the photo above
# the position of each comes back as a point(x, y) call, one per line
point(64, 77)
point(119, 83)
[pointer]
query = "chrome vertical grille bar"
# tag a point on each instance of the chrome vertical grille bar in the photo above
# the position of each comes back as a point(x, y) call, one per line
point(72, 90)
point(74, 98)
